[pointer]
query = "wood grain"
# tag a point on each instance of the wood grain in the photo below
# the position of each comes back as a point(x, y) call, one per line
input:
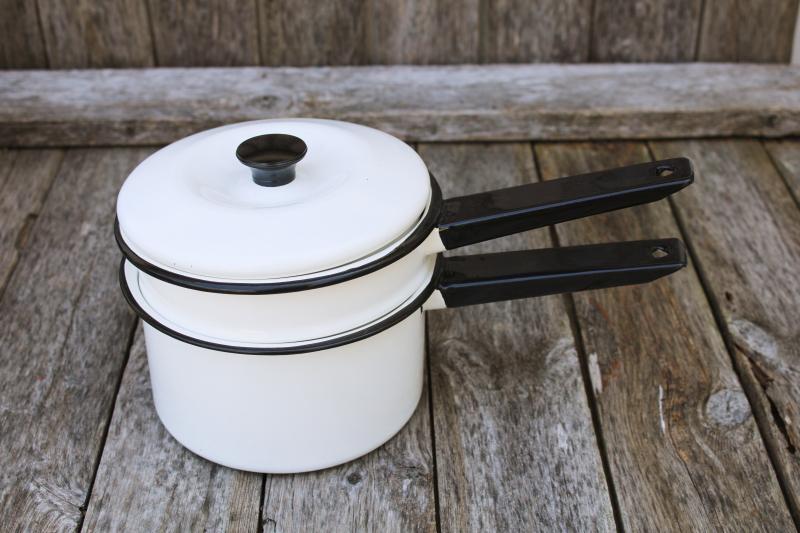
point(25, 178)
point(308, 33)
point(519, 31)
point(744, 228)
point(85, 33)
point(497, 102)
point(22, 44)
point(684, 449)
point(746, 31)
point(147, 481)
point(390, 489)
point(195, 33)
point(786, 156)
point(63, 341)
point(645, 30)
point(422, 31)
point(515, 446)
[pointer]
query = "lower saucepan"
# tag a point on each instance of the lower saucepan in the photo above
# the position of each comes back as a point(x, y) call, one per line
point(301, 406)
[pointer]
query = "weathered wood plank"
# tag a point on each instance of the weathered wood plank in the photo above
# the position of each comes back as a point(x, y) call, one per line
point(493, 102)
point(22, 45)
point(744, 228)
point(85, 33)
point(63, 339)
point(743, 30)
point(786, 156)
point(684, 449)
point(25, 178)
point(515, 446)
point(422, 31)
point(147, 481)
point(645, 30)
point(387, 490)
point(193, 33)
point(308, 33)
point(519, 31)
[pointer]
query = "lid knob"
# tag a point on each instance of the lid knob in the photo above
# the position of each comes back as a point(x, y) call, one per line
point(272, 157)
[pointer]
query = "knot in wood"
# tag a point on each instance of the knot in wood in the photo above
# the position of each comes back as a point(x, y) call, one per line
point(728, 408)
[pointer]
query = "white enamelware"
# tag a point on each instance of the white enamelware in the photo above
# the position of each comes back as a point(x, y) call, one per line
point(192, 208)
point(283, 267)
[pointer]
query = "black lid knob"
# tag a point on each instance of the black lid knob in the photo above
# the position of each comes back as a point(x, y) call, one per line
point(272, 157)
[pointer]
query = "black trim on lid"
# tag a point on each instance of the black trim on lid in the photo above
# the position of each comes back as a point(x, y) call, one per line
point(389, 321)
point(423, 229)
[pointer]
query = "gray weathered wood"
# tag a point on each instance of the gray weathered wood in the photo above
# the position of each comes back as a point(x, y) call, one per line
point(21, 45)
point(63, 338)
point(25, 178)
point(645, 30)
point(86, 33)
point(147, 481)
point(786, 156)
point(743, 30)
point(309, 33)
point(193, 33)
point(515, 446)
point(744, 228)
point(422, 31)
point(498, 102)
point(684, 449)
point(390, 489)
point(520, 31)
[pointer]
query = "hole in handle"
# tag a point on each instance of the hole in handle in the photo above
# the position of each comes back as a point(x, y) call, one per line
point(665, 171)
point(659, 252)
point(272, 157)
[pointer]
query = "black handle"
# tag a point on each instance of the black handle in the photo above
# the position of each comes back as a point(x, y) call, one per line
point(480, 217)
point(475, 279)
point(272, 157)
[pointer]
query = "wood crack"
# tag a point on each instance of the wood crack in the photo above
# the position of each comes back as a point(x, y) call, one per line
point(765, 381)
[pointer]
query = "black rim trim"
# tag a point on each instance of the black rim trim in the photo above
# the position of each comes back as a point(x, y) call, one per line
point(412, 241)
point(396, 318)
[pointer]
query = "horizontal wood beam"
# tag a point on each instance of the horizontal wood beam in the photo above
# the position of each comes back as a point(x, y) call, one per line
point(417, 103)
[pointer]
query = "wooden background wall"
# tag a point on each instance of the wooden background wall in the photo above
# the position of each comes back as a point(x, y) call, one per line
point(144, 33)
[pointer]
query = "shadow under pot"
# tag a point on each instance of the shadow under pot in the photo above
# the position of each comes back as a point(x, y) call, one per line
point(282, 268)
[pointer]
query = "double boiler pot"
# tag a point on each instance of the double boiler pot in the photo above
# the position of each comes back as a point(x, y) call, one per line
point(282, 269)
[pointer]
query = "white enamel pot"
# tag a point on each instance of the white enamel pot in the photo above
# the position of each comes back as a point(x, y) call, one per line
point(282, 269)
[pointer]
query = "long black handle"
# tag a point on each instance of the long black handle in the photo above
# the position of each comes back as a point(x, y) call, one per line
point(480, 217)
point(474, 279)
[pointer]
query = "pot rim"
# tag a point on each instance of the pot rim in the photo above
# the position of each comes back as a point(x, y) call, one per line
point(426, 224)
point(413, 303)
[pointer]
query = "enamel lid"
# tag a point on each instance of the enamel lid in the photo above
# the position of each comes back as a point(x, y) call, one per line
point(195, 208)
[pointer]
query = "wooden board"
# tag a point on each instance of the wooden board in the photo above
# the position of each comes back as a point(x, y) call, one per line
point(196, 33)
point(500, 102)
point(309, 33)
point(786, 156)
point(126, 33)
point(519, 31)
point(645, 30)
point(147, 481)
point(515, 446)
point(747, 31)
point(63, 341)
point(390, 489)
point(86, 33)
point(25, 178)
point(22, 45)
point(684, 450)
point(744, 228)
point(422, 31)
